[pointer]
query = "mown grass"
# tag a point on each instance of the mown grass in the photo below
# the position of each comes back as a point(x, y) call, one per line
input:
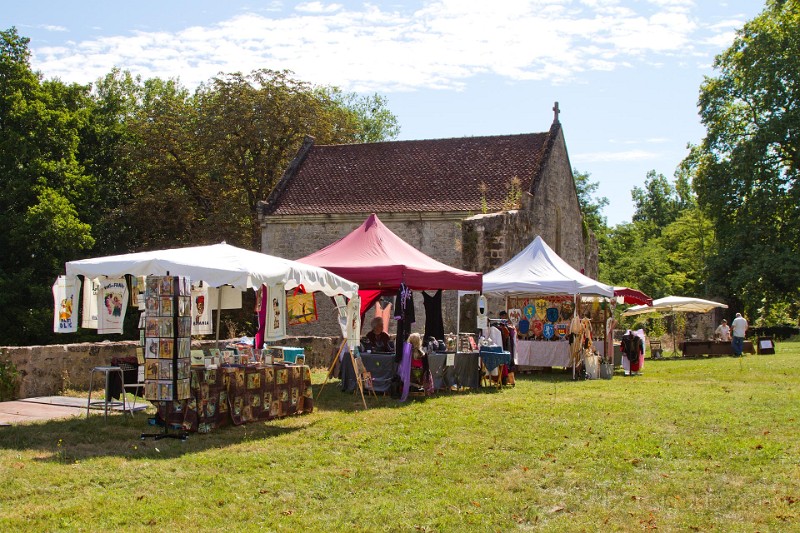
point(703, 444)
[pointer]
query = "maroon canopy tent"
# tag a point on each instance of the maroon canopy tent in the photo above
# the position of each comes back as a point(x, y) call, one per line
point(379, 261)
point(632, 296)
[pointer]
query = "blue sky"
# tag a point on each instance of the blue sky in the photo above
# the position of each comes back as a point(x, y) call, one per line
point(626, 73)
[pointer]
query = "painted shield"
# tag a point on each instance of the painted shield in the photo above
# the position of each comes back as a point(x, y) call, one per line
point(529, 311)
point(524, 326)
point(548, 331)
point(567, 310)
point(536, 327)
point(552, 314)
point(541, 309)
point(562, 329)
point(515, 315)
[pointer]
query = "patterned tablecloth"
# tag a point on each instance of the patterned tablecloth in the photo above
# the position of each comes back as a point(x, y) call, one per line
point(237, 395)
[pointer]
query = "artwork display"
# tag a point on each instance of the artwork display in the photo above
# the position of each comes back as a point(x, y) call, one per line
point(542, 318)
point(65, 296)
point(167, 338)
point(301, 309)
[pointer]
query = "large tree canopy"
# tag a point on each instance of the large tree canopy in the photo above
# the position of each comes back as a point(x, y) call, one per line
point(134, 164)
point(747, 167)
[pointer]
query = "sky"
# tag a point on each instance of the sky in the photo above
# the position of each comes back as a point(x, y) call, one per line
point(626, 73)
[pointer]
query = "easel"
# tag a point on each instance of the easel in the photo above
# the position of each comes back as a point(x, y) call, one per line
point(359, 381)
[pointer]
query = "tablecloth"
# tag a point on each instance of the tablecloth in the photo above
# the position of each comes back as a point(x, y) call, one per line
point(542, 353)
point(237, 394)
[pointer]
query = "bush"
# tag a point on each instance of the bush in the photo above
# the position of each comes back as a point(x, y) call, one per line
point(9, 379)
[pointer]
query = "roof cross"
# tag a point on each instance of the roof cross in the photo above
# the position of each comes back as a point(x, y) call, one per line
point(556, 111)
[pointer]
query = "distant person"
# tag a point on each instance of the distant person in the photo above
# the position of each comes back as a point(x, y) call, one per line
point(723, 331)
point(738, 330)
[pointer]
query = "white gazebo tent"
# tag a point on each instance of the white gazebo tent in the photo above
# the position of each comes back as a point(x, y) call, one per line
point(218, 265)
point(675, 304)
point(539, 271)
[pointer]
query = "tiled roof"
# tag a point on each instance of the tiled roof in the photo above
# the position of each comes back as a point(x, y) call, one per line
point(410, 176)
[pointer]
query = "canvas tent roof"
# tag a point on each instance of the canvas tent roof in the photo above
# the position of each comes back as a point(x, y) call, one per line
point(377, 259)
point(679, 304)
point(539, 270)
point(217, 265)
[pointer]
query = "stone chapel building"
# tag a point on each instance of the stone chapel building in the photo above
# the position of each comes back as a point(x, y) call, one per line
point(470, 202)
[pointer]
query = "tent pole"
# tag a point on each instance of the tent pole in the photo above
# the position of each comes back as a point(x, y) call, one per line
point(219, 310)
point(458, 322)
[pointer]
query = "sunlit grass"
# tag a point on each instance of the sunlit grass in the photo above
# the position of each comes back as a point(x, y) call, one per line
point(690, 445)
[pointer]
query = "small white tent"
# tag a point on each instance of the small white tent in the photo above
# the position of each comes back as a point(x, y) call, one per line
point(217, 265)
point(539, 270)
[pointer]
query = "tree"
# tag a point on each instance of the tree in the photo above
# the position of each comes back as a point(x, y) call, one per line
point(746, 169)
point(46, 193)
point(591, 206)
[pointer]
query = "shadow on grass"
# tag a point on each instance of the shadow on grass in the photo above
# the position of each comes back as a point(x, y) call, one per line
point(76, 439)
point(333, 399)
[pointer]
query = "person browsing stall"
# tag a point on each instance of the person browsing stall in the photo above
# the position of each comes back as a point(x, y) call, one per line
point(723, 331)
point(738, 330)
point(378, 338)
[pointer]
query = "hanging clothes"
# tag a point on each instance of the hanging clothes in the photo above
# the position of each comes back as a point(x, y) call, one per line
point(404, 315)
point(434, 325)
point(385, 313)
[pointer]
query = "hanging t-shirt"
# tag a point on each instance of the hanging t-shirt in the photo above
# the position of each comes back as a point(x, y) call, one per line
point(201, 310)
point(65, 296)
point(385, 313)
point(90, 289)
point(275, 319)
point(434, 325)
point(112, 301)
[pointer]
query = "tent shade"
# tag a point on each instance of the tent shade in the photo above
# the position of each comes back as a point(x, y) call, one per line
point(675, 304)
point(377, 259)
point(631, 296)
point(217, 265)
point(539, 270)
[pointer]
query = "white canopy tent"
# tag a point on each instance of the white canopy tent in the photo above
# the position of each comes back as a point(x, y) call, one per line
point(538, 270)
point(217, 265)
point(675, 304)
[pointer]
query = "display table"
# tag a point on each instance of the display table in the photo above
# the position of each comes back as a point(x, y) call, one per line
point(464, 373)
point(542, 353)
point(493, 359)
point(241, 394)
point(690, 348)
point(380, 365)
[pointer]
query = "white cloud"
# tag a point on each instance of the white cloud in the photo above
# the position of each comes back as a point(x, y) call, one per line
point(52, 27)
point(318, 7)
point(606, 157)
point(370, 48)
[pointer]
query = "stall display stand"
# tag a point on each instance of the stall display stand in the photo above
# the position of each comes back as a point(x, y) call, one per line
point(168, 329)
point(359, 377)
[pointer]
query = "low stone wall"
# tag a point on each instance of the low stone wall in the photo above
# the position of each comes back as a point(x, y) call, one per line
point(47, 370)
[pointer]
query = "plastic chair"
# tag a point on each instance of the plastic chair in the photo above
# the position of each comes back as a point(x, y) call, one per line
point(107, 372)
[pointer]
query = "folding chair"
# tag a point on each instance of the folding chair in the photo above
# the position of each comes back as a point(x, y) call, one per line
point(136, 388)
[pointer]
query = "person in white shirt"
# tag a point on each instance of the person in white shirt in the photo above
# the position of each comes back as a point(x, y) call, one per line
point(738, 329)
point(723, 331)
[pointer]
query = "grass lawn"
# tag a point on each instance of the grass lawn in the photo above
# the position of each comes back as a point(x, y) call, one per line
point(703, 444)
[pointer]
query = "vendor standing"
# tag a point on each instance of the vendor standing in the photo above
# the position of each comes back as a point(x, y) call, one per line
point(723, 331)
point(377, 338)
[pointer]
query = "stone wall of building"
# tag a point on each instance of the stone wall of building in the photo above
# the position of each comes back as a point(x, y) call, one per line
point(47, 370)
